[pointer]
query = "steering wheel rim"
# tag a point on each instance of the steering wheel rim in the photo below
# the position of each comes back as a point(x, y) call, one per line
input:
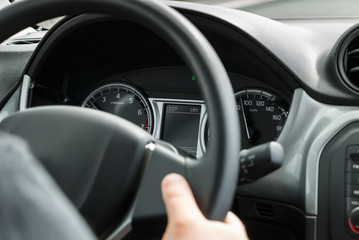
point(212, 178)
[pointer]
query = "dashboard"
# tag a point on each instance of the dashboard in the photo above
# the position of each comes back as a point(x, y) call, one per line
point(290, 86)
point(164, 100)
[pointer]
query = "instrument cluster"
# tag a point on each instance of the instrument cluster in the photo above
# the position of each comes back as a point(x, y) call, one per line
point(183, 122)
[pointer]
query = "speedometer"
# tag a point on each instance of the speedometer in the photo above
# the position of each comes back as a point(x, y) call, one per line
point(262, 117)
point(121, 100)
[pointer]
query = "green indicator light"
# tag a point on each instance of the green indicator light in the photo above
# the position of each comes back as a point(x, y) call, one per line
point(193, 78)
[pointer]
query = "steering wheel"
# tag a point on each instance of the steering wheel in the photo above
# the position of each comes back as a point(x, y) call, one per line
point(102, 161)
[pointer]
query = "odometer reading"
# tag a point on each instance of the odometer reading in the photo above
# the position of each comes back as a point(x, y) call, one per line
point(261, 115)
point(124, 101)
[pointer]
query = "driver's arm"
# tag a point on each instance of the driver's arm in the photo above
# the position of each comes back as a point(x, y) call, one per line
point(185, 220)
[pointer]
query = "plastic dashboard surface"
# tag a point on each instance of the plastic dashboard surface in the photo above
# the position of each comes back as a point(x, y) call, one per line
point(291, 59)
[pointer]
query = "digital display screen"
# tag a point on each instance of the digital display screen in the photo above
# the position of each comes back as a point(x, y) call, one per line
point(181, 125)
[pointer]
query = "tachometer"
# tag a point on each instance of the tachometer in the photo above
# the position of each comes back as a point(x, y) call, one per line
point(124, 101)
point(262, 117)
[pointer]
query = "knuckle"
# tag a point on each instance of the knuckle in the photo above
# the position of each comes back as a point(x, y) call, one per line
point(184, 224)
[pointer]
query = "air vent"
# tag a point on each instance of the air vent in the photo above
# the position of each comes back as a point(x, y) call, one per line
point(348, 60)
point(265, 210)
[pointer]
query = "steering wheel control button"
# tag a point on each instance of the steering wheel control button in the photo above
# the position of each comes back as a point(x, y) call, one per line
point(352, 191)
point(352, 178)
point(352, 153)
point(352, 166)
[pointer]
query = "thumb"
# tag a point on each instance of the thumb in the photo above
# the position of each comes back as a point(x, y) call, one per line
point(178, 198)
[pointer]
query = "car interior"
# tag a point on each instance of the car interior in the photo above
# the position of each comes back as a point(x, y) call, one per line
point(259, 113)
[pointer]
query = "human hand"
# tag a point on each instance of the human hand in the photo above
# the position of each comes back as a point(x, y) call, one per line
point(186, 222)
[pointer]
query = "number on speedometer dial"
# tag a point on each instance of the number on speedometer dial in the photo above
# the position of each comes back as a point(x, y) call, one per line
point(262, 117)
point(124, 101)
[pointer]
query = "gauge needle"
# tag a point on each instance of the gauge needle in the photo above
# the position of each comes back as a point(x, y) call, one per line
point(245, 119)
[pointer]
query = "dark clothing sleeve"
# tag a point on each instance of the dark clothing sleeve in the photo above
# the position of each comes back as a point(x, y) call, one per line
point(32, 206)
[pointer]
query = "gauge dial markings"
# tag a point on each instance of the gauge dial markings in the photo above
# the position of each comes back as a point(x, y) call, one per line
point(124, 101)
point(263, 116)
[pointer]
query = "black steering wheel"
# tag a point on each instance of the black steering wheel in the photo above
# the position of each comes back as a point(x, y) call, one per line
point(81, 147)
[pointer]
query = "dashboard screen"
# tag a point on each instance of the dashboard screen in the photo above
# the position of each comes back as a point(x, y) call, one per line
point(180, 127)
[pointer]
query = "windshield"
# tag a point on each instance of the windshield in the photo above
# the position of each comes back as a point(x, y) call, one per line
point(291, 8)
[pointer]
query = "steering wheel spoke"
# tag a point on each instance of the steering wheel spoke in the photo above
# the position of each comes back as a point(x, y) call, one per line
point(148, 214)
